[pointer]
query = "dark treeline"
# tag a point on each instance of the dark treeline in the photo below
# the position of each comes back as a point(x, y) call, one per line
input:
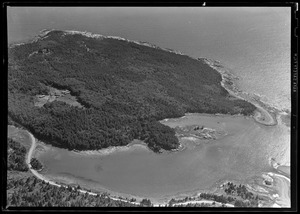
point(36, 164)
point(125, 88)
point(240, 190)
point(16, 156)
point(28, 191)
point(228, 199)
point(248, 199)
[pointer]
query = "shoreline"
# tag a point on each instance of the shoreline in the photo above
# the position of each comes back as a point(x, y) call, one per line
point(263, 114)
point(138, 143)
point(47, 180)
point(112, 149)
point(115, 195)
point(284, 190)
point(43, 34)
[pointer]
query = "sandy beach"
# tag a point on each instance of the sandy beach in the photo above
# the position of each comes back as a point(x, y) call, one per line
point(112, 149)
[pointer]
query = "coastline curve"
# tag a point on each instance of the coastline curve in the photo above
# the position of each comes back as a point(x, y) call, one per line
point(261, 115)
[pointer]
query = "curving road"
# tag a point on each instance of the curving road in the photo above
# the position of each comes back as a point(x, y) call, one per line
point(33, 145)
point(29, 155)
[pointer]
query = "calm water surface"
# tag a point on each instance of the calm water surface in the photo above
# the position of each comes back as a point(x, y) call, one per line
point(242, 153)
point(254, 43)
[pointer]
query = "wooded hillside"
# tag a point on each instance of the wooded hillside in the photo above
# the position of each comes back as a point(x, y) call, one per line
point(125, 88)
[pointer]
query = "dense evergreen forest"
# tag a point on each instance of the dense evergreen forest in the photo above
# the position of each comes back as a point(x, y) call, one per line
point(16, 154)
point(125, 89)
point(242, 201)
point(27, 191)
point(36, 164)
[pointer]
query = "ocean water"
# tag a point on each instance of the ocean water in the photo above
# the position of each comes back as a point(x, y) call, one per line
point(253, 43)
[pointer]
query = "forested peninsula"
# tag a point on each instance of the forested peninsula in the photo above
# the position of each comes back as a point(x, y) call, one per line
point(83, 91)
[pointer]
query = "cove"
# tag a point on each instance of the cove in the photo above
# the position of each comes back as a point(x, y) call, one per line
point(243, 152)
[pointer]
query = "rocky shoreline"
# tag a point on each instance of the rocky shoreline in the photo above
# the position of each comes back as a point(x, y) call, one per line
point(264, 114)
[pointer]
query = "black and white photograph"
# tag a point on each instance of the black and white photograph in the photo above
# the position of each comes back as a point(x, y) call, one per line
point(177, 107)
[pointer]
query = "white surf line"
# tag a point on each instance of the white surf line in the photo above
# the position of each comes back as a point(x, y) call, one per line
point(203, 201)
point(117, 199)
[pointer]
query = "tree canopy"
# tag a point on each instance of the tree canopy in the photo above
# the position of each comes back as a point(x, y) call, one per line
point(125, 89)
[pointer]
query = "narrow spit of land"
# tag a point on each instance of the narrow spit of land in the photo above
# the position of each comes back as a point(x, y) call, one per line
point(261, 115)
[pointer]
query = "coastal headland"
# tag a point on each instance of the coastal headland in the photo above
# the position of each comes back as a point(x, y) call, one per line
point(262, 115)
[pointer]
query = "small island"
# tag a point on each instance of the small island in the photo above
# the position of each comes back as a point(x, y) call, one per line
point(199, 132)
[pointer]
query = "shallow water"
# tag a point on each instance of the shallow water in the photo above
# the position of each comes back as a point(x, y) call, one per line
point(243, 153)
